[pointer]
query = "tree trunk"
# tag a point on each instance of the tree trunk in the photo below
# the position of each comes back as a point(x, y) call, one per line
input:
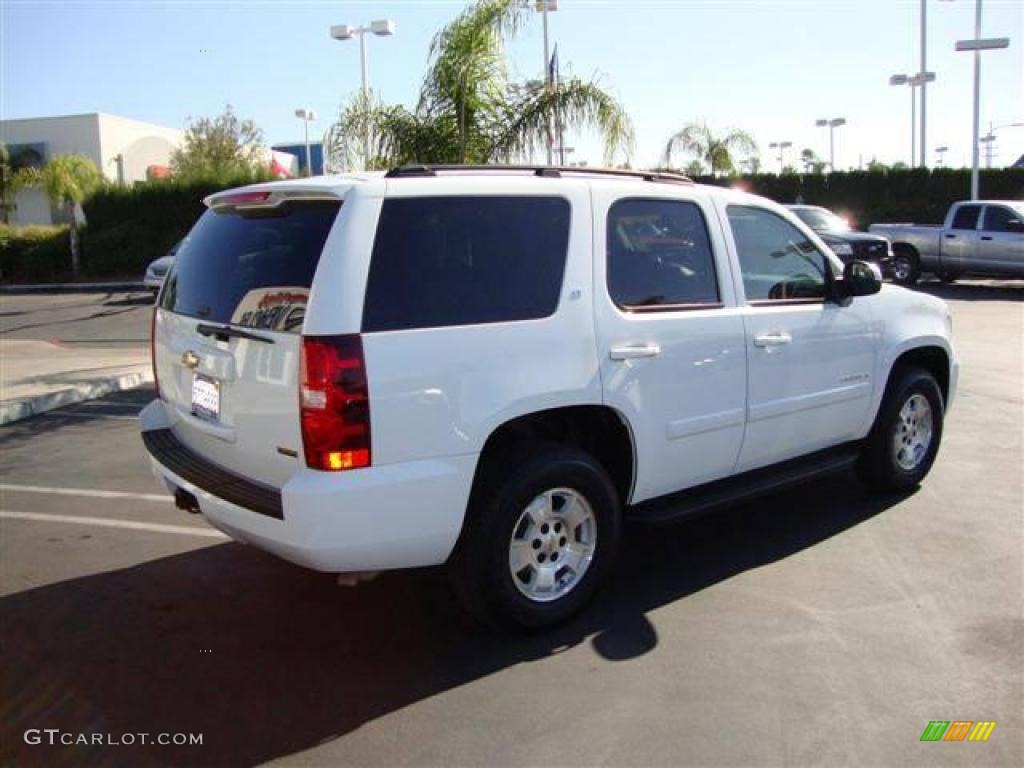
point(73, 237)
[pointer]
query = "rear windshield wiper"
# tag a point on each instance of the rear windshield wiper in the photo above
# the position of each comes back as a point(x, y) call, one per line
point(224, 332)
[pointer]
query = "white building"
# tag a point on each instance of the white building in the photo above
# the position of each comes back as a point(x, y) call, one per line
point(123, 149)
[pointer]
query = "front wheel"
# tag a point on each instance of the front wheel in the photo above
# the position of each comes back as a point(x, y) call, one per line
point(904, 440)
point(540, 535)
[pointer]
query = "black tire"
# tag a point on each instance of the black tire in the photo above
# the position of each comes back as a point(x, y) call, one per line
point(878, 466)
point(479, 567)
point(906, 266)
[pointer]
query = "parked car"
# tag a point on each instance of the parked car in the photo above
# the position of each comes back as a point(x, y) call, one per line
point(845, 242)
point(158, 269)
point(492, 368)
point(983, 238)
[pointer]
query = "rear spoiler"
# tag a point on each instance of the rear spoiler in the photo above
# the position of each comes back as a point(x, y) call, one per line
point(244, 199)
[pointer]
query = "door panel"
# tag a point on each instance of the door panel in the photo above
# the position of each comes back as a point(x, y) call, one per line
point(813, 391)
point(959, 242)
point(809, 361)
point(670, 338)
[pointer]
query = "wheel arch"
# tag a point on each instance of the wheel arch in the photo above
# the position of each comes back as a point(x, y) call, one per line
point(933, 355)
point(600, 430)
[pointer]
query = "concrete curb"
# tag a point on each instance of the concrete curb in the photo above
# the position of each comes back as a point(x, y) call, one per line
point(71, 288)
point(33, 406)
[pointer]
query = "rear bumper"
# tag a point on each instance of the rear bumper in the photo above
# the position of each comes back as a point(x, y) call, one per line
point(394, 516)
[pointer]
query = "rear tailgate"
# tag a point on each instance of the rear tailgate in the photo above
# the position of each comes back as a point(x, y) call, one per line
point(227, 331)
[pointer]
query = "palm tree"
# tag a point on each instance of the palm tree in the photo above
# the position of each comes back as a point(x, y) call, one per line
point(715, 151)
point(468, 111)
point(811, 162)
point(14, 175)
point(68, 180)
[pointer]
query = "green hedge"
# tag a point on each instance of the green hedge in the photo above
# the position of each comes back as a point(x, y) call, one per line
point(867, 197)
point(34, 254)
point(130, 226)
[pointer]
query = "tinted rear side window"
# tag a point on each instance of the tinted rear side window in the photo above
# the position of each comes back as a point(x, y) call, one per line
point(966, 217)
point(251, 268)
point(443, 261)
point(659, 255)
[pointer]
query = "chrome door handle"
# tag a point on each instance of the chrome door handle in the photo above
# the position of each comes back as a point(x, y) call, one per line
point(634, 351)
point(773, 339)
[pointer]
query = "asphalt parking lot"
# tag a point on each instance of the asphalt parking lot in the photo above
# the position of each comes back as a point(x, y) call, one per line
point(820, 625)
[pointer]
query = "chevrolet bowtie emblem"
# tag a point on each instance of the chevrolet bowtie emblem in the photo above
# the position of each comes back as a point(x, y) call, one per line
point(190, 359)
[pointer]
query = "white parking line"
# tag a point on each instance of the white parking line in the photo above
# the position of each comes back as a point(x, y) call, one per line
point(181, 530)
point(86, 492)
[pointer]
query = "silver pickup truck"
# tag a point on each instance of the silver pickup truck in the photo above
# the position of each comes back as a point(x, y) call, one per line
point(983, 237)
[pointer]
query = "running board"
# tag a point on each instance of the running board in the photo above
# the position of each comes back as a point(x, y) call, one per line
point(731, 490)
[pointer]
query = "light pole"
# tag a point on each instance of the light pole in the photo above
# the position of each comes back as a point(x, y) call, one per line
point(924, 83)
point(978, 44)
point(913, 81)
point(381, 28)
point(543, 6)
point(905, 80)
point(941, 154)
point(781, 146)
point(832, 123)
point(306, 114)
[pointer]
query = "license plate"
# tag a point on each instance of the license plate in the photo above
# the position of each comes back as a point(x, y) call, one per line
point(206, 398)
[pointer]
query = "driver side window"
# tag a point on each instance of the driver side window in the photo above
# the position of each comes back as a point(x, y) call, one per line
point(777, 260)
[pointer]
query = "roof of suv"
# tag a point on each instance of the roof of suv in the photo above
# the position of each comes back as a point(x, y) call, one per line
point(336, 185)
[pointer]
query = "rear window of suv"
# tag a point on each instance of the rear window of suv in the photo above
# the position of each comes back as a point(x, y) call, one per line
point(251, 267)
point(444, 261)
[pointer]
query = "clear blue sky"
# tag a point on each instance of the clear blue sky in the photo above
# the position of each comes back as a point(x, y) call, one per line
point(769, 66)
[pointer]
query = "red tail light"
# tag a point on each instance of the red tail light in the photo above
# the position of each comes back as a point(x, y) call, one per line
point(334, 402)
point(152, 349)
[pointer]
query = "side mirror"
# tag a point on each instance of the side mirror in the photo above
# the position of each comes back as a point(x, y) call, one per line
point(860, 278)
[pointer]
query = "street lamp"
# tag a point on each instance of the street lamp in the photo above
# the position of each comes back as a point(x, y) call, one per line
point(781, 146)
point(306, 114)
point(978, 44)
point(913, 81)
point(832, 124)
point(543, 6)
point(941, 152)
point(381, 28)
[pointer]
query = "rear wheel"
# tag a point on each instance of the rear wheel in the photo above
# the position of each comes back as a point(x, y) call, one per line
point(904, 440)
point(906, 267)
point(540, 535)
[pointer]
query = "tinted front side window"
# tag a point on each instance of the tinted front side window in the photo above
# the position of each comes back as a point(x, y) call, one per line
point(1000, 219)
point(777, 260)
point(966, 217)
point(659, 254)
point(442, 261)
point(251, 268)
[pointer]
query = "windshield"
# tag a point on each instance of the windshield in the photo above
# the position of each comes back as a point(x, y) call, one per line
point(821, 220)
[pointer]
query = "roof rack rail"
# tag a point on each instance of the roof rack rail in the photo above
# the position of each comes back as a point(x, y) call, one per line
point(547, 171)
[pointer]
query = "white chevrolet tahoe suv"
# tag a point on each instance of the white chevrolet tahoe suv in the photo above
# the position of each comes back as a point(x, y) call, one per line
point(493, 367)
